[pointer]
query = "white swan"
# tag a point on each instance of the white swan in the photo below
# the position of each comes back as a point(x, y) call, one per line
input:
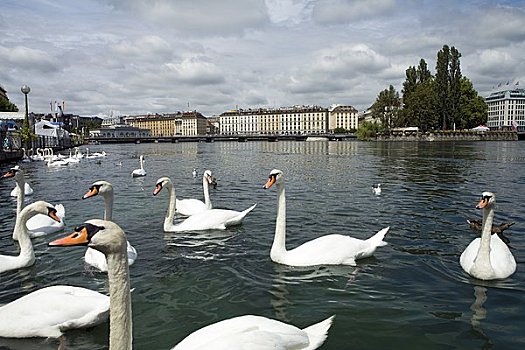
point(212, 219)
point(488, 257)
point(331, 249)
point(92, 256)
point(38, 225)
point(141, 171)
point(27, 255)
point(50, 311)
point(235, 333)
point(72, 159)
point(376, 189)
point(192, 206)
point(27, 188)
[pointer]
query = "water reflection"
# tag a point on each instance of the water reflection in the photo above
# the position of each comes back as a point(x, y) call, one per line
point(479, 313)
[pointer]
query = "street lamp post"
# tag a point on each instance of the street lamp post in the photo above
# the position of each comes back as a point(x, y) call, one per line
point(25, 90)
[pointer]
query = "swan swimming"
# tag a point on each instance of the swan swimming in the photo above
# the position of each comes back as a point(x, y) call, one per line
point(234, 333)
point(26, 257)
point(139, 172)
point(488, 257)
point(334, 249)
point(92, 256)
point(38, 225)
point(212, 219)
point(192, 206)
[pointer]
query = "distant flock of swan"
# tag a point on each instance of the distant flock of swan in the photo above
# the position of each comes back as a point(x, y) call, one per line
point(50, 311)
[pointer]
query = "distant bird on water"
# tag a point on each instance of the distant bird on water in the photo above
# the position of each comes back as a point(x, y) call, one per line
point(194, 172)
point(376, 189)
point(141, 171)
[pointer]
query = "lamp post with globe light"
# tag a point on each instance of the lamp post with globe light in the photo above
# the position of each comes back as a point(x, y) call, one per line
point(25, 90)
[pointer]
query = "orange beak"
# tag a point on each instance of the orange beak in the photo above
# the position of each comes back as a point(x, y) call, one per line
point(10, 173)
point(52, 213)
point(93, 191)
point(482, 203)
point(76, 238)
point(269, 183)
point(157, 189)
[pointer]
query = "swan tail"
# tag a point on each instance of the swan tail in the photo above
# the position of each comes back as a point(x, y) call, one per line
point(245, 212)
point(377, 239)
point(318, 332)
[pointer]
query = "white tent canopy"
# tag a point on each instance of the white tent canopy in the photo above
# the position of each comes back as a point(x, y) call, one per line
point(46, 128)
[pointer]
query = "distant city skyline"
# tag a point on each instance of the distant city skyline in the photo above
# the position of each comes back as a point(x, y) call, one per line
point(143, 56)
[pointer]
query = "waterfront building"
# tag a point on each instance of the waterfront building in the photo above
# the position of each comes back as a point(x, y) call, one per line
point(342, 117)
point(296, 120)
point(506, 108)
point(119, 131)
point(190, 123)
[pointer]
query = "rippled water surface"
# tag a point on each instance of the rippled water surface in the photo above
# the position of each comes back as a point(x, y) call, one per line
point(412, 294)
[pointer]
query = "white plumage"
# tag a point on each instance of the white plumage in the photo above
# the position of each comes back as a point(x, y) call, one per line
point(334, 249)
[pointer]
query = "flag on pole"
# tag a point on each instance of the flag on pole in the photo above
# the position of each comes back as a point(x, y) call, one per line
point(514, 125)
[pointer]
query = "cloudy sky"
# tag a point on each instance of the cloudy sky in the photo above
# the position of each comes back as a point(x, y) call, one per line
point(158, 56)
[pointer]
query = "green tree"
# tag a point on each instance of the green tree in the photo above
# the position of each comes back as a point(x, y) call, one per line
point(386, 108)
point(367, 131)
point(442, 84)
point(416, 83)
point(473, 109)
point(421, 107)
point(454, 86)
point(6, 105)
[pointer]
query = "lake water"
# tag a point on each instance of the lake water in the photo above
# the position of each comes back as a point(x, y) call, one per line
point(412, 294)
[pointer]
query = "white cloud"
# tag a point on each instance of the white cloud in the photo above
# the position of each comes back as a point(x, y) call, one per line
point(157, 55)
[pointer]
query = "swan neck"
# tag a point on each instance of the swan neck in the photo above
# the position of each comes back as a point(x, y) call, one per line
point(279, 240)
point(20, 183)
point(205, 188)
point(108, 206)
point(120, 321)
point(21, 234)
point(168, 220)
point(483, 257)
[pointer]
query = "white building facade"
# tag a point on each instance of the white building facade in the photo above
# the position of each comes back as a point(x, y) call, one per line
point(506, 109)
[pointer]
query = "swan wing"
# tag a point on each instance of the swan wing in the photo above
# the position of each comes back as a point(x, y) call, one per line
point(248, 332)
point(501, 258)
point(333, 249)
point(98, 260)
point(189, 206)
point(211, 219)
point(50, 311)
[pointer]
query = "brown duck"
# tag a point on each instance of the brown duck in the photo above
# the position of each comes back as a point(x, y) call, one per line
point(475, 224)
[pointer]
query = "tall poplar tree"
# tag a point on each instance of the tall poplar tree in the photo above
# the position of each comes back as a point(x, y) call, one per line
point(442, 84)
point(454, 86)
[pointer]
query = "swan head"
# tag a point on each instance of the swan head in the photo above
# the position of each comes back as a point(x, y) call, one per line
point(102, 235)
point(15, 172)
point(161, 183)
point(275, 177)
point(41, 207)
point(488, 199)
point(210, 178)
point(98, 187)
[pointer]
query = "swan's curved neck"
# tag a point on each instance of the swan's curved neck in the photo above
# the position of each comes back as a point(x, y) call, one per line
point(21, 234)
point(279, 240)
point(482, 260)
point(170, 214)
point(142, 163)
point(205, 188)
point(20, 183)
point(108, 205)
point(120, 322)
